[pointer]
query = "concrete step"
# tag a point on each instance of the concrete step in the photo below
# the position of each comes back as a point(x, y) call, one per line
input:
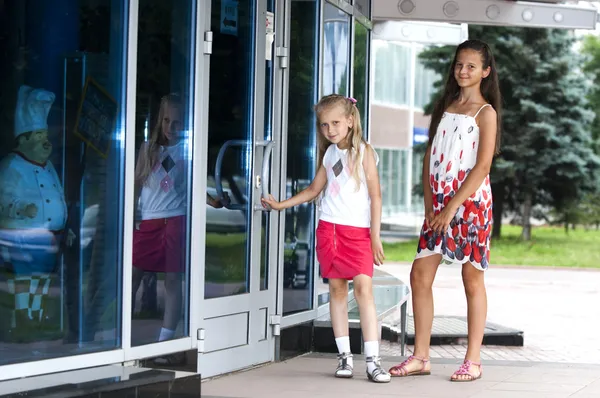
point(453, 330)
point(106, 381)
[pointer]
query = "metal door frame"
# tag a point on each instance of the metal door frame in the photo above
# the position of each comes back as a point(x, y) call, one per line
point(255, 352)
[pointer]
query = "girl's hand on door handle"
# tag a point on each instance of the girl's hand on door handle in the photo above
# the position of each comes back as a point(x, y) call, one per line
point(271, 202)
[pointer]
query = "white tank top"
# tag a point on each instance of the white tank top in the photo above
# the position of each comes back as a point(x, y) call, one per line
point(342, 203)
point(164, 193)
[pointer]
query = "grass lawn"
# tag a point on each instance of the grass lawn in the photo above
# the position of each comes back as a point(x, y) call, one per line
point(549, 246)
point(225, 257)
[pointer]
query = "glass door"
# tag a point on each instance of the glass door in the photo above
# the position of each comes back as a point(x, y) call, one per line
point(238, 299)
point(299, 279)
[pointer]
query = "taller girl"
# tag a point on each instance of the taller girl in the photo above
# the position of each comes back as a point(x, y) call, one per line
point(464, 136)
point(348, 242)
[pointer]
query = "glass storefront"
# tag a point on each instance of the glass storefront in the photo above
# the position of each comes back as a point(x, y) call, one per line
point(107, 133)
point(162, 191)
point(61, 177)
point(133, 142)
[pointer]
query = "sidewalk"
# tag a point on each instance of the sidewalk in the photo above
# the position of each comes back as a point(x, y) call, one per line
point(312, 376)
point(556, 308)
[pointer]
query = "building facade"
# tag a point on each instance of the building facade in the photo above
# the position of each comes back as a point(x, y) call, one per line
point(137, 140)
point(401, 88)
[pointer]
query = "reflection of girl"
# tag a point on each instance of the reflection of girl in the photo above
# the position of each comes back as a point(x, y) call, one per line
point(159, 238)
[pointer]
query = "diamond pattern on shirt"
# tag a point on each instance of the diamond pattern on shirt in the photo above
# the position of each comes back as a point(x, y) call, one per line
point(338, 175)
point(168, 163)
point(338, 168)
point(334, 189)
point(166, 183)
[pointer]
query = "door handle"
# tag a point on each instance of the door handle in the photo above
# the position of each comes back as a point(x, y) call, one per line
point(219, 165)
point(265, 172)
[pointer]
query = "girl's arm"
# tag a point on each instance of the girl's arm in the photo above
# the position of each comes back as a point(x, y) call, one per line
point(372, 177)
point(313, 190)
point(485, 154)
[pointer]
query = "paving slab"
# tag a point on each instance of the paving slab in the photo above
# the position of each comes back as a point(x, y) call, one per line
point(312, 375)
point(555, 308)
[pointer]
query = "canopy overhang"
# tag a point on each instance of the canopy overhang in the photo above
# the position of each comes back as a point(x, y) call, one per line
point(535, 14)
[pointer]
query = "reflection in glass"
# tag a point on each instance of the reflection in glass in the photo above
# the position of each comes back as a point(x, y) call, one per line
point(61, 177)
point(391, 59)
point(266, 216)
point(161, 195)
point(299, 221)
point(385, 171)
point(336, 50)
point(230, 135)
point(361, 61)
point(425, 79)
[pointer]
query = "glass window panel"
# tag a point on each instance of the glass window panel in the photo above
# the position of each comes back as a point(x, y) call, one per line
point(402, 175)
point(266, 216)
point(396, 171)
point(392, 73)
point(230, 131)
point(424, 81)
point(386, 188)
point(391, 180)
point(417, 170)
point(361, 70)
point(298, 276)
point(62, 180)
point(162, 192)
point(336, 51)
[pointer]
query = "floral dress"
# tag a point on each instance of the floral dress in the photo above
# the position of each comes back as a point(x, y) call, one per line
point(453, 155)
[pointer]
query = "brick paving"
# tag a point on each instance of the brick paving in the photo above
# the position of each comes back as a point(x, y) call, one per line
point(558, 310)
point(503, 353)
point(312, 376)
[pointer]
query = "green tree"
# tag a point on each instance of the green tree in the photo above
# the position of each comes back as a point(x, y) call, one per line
point(591, 51)
point(590, 209)
point(558, 166)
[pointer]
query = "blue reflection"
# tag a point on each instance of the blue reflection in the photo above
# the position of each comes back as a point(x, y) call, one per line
point(299, 265)
point(336, 54)
point(64, 297)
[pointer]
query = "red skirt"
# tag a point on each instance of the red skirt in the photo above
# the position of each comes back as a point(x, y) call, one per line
point(344, 252)
point(159, 245)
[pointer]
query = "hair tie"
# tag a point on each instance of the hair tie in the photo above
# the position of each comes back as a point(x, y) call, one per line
point(354, 101)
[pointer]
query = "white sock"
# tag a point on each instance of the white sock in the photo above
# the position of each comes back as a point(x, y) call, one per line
point(371, 350)
point(166, 334)
point(343, 345)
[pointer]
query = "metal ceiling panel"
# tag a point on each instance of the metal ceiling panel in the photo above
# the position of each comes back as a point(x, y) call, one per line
point(539, 14)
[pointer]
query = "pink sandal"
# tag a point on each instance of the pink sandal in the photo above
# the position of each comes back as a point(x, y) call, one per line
point(464, 371)
point(400, 370)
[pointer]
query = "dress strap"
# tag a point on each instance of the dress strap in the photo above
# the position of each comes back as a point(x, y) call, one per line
point(475, 117)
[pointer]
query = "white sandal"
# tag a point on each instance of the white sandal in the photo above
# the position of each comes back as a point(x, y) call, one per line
point(344, 370)
point(379, 375)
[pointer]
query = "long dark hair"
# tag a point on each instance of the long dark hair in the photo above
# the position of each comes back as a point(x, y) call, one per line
point(490, 88)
